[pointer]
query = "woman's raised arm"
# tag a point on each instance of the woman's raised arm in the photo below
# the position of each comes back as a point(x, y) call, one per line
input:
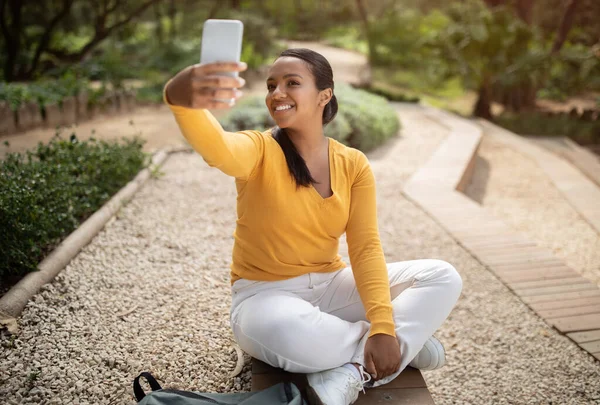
point(190, 94)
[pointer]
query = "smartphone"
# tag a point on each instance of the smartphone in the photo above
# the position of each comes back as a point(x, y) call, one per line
point(222, 42)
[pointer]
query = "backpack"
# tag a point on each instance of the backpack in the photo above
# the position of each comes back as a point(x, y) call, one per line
point(284, 393)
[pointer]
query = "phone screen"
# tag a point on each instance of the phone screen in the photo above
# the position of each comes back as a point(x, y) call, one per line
point(222, 42)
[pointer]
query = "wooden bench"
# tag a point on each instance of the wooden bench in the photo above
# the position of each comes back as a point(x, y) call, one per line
point(408, 388)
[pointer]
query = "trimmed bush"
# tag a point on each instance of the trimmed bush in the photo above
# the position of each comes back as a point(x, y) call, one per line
point(43, 92)
point(541, 124)
point(150, 93)
point(372, 119)
point(364, 120)
point(392, 95)
point(46, 193)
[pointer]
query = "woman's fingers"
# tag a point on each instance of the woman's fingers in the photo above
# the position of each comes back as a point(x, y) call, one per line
point(210, 72)
point(215, 98)
point(216, 67)
point(212, 104)
point(218, 81)
point(219, 105)
point(212, 93)
point(221, 98)
point(201, 86)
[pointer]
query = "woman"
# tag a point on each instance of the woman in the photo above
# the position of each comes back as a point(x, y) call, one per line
point(296, 305)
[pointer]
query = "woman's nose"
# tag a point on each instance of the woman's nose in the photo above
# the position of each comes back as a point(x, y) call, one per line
point(278, 93)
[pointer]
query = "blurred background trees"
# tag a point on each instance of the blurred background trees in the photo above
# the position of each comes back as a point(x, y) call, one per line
point(485, 57)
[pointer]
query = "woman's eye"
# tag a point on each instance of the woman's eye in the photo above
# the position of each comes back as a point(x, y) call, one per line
point(294, 83)
point(270, 87)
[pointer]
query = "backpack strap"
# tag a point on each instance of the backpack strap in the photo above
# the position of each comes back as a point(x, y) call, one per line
point(287, 388)
point(137, 389)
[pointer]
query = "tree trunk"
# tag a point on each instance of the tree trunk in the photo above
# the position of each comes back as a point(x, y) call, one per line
point(159, 25)
point(484, 101)
point(524, 10)
point(12, 36)
point(214, 9)
point(47, 36)
point(494, 3)
point(101, 33)
point(523, 96)
point(565, 25)
point(173, 18)
point(365, 21)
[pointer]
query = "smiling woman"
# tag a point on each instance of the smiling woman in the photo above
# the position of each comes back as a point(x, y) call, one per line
point(295, 304)
point(300, 87)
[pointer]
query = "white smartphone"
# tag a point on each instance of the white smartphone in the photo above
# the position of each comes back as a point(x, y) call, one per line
point(222, 42)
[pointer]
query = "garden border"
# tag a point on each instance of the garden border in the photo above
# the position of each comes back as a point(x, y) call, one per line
point(15, 300)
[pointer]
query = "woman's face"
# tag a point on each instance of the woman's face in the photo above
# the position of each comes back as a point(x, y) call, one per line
point(292, 95)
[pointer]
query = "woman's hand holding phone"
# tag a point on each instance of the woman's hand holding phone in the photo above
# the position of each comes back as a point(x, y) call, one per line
point(201, 86)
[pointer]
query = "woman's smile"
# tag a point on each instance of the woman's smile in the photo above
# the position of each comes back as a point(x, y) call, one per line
point(283, 108)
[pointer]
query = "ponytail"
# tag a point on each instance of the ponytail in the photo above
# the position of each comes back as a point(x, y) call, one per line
point(330, 110)
point(295, 162)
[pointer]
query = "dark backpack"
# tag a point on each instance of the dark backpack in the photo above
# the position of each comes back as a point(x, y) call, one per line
point(279, 394)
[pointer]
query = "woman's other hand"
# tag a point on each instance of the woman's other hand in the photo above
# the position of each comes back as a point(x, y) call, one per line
point(382, 356)
point(200, 86)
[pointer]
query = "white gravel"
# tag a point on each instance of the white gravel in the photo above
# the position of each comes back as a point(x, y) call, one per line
point(166, 257)
point(519, 193)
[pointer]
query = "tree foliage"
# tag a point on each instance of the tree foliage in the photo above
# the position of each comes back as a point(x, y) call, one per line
point(39, 36)
point(509, 50)
point(32, 30)
point(487, 47)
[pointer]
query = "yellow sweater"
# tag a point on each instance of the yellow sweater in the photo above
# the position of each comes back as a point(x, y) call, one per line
point(283, 231)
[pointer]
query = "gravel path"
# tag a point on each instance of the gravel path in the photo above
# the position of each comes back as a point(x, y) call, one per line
point(518, 192)
point(165, 260)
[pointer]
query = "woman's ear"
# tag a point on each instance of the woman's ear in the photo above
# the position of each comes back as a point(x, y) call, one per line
point(325, 96)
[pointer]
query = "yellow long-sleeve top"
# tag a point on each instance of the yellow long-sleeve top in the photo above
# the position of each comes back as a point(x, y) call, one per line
point(283, 231)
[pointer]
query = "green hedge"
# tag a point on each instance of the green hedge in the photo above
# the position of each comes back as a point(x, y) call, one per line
point(392, 95)
point(43, 92)
point(46, 193)
point(538, 123)
point(364, 120)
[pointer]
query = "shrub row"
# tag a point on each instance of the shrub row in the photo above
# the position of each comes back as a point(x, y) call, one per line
point(364, 120)
point(584, 130)
point(392, 95)
point(50, 104)
point(48, 192)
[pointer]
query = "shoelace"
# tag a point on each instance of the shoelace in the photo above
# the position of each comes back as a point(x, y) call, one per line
point(356, 384)
point(363, 380)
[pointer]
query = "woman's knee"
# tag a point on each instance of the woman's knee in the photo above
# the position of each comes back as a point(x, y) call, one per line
point(263, 319)
point(448, 273)
point(285, 338)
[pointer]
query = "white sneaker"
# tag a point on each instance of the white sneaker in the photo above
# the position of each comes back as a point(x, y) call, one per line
point(431, 356)
point(337, 386)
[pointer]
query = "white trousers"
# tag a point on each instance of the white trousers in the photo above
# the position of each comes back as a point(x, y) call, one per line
point(317, 321)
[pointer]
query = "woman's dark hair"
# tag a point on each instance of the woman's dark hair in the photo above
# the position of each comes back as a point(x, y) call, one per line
point(323, 74)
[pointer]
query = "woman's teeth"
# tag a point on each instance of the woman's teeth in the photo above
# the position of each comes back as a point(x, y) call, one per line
point(283, 107)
